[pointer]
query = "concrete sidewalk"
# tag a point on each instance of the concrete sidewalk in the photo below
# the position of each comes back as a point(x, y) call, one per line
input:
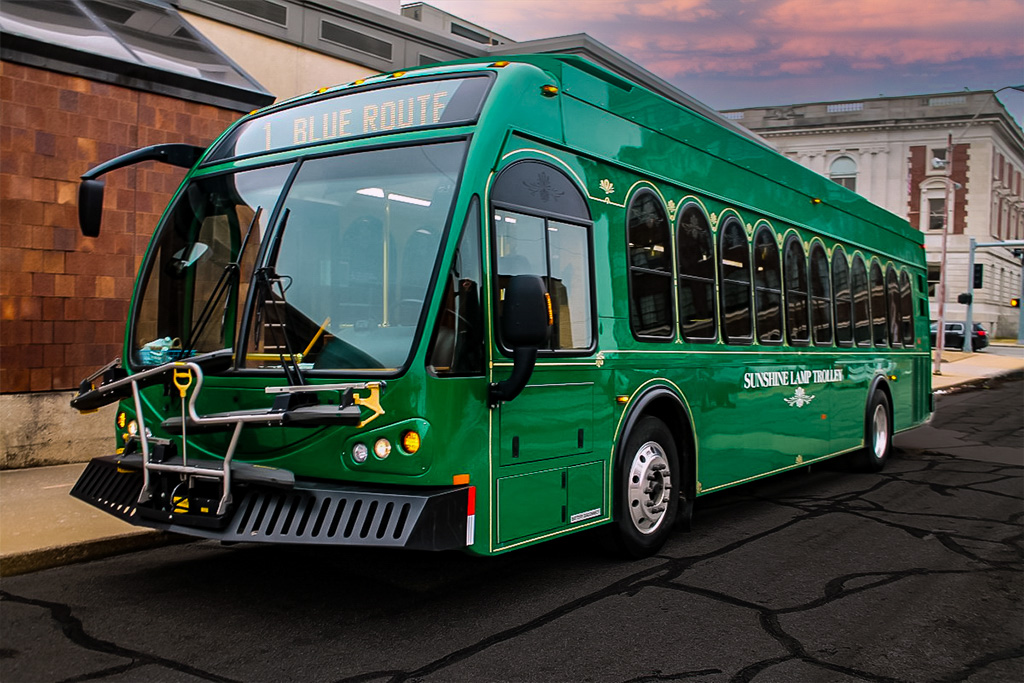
point(41, 526)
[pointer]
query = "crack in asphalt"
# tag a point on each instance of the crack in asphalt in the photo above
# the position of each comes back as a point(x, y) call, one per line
point(664, 576)
point(72, 629)
point(667, 576)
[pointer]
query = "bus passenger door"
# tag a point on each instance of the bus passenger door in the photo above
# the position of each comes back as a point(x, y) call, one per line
point(547, 476)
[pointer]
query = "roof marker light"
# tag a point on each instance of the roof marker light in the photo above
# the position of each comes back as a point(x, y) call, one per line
point(398, 74)
point(500, 65)
point(549, 90)
point(815, 200)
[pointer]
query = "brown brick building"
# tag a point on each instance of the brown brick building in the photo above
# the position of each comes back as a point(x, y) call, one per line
point(64, 297)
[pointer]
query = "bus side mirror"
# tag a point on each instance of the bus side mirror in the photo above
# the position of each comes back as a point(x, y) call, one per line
point(525, 325)
point(90, 207)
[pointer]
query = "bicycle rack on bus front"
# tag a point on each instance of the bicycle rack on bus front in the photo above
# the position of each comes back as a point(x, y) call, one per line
point(293, 406)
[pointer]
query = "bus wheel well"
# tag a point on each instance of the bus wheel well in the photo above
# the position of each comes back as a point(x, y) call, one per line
point(880, 385)
point(667, 407)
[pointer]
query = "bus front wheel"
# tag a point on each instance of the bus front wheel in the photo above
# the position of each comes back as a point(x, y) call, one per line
point(648, 499)
point(877, 435)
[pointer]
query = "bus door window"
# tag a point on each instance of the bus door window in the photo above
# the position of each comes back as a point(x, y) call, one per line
point(797, 326)
point(735, 264)
point(457, 346)
point(650, 268)
point(878, 306)
point(892, 295)
point(821, 297)
point(535, 211)
point(843, 300)
point(768, 287)
point(861, 303)
point(696, 277)
point(530, 245)
point(907, 309)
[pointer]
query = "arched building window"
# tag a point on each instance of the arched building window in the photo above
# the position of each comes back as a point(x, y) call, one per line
point(843, 170)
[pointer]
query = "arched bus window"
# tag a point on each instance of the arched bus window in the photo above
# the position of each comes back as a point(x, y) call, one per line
point(907, 309)
point(735, 264)
point(843, 299)
point(878, 307)
point(795, 265)
point(767, 287)
point(861, 303)
point(696, 256)
point(650, 268)
point(821, 297)
point(892, 297)
point(542, 227)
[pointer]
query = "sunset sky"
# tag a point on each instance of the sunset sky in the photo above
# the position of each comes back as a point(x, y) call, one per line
point(745, 53)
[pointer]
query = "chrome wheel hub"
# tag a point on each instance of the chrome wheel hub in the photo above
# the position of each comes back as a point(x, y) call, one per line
point(649, 487)
point(880, 431)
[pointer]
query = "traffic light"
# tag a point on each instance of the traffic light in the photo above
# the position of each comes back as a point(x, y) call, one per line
point(979, 271)
point(1014, 302)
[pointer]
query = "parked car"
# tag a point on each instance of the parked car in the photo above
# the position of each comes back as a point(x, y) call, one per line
point(955, 336)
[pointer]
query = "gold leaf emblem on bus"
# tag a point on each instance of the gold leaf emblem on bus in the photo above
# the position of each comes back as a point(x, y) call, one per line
point(607, 186)
point(800, 398)
point(672, 208)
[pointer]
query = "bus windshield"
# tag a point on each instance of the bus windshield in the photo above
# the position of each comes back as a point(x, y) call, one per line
point(343, 275)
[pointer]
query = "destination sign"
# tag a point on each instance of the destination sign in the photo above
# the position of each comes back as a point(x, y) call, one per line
point(372, 112)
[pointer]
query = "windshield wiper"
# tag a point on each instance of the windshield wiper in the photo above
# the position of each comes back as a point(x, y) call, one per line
point(266, 277)
point(223, 284)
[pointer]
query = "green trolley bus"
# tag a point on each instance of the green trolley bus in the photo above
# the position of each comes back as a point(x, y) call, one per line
point(482, 304)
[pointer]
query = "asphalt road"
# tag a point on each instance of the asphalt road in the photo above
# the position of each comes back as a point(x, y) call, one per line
point(914, 574)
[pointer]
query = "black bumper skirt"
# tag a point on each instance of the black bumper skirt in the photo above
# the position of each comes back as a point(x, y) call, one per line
point(310, 513)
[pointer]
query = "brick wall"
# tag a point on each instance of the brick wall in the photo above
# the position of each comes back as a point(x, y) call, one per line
point(919, 161)
point(64, 297)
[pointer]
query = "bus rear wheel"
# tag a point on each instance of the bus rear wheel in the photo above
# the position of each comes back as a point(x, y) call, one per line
point(648, 499)
point(877, 435)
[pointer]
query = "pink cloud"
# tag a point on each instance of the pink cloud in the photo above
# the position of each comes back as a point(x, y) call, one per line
point(673, 37)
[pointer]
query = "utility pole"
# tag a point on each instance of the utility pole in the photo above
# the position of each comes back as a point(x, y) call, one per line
point(940, 329)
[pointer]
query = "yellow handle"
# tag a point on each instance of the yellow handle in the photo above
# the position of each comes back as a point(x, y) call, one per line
point(182, 380)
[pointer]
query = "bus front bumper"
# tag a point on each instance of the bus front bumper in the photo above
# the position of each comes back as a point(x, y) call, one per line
point(294, 512)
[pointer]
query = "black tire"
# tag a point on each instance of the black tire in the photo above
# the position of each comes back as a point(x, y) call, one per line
point(877, 435)
point(647, 489)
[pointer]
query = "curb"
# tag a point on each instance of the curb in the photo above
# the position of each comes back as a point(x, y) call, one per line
point(58, 556)
point(979, 383)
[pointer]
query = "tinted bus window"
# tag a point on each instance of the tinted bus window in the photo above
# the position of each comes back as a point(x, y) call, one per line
point(735, 260)
point(457, 347)
point(767, 287)
point(861, 303)
point(821, 297)
point(696, 277)
point(650, 268)
point(878, 306)
point(907, 309)
point(797, 327)
point(843, 301)
point(892, 295)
